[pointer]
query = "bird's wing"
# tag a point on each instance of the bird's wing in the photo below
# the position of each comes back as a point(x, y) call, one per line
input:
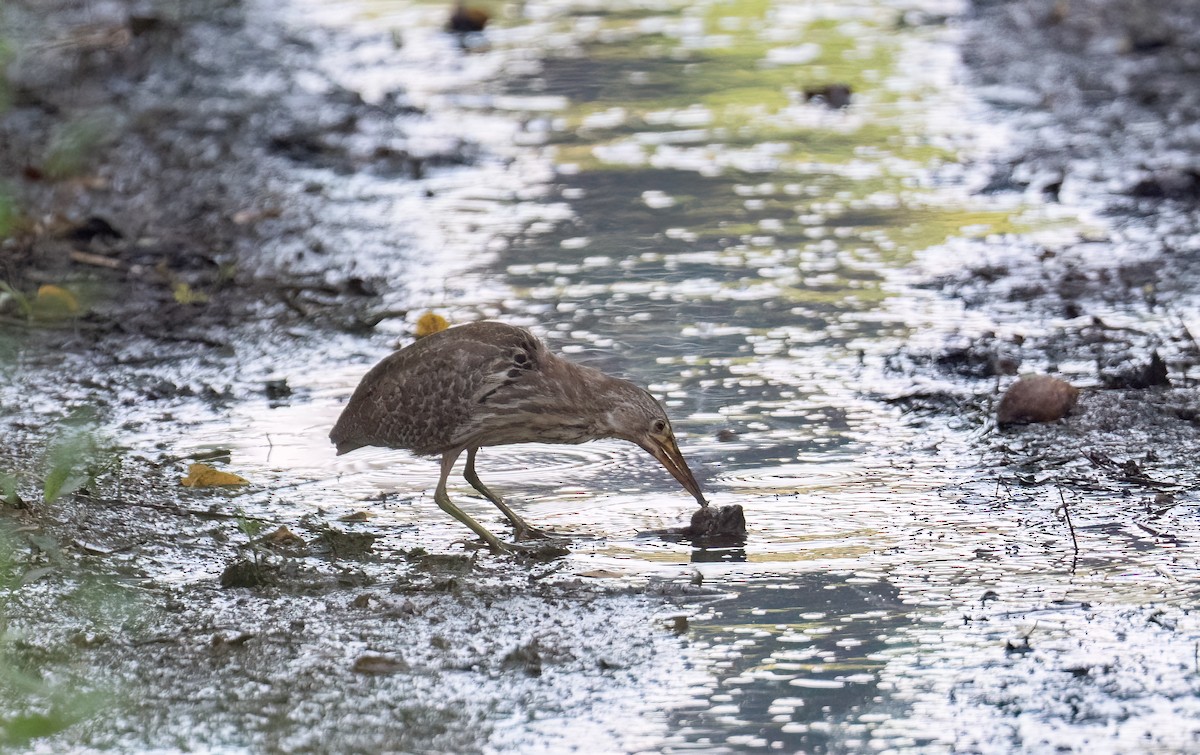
point(428, 397)
point(495, 366)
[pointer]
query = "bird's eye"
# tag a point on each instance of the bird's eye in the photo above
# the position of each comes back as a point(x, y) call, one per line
point(659, 426)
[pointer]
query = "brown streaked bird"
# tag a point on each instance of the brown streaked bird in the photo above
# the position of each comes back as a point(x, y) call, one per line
point(491, 384)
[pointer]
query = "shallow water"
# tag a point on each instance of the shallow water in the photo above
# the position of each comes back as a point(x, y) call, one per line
point(655, 198)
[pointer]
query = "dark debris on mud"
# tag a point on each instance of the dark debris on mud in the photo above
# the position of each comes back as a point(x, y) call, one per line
point(1100, 95)
point(150, 179)
point(1094, 93)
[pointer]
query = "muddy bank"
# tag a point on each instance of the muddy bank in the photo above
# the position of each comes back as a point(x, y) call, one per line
point(152, 156)
point(1093, 98)
point(1098, 98)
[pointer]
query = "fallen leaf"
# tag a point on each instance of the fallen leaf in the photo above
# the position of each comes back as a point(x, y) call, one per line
point(282, 537)
point(430, 323)
point(54, 302)
point(204, 476)
point(357, 516)
point(185, 295)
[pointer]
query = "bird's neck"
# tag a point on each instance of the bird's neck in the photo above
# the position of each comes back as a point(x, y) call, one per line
point(590, 396)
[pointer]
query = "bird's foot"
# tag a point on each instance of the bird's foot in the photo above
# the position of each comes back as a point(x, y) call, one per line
point(500, 549)
point(540, 550)
point(527, 532)
point(543, 546)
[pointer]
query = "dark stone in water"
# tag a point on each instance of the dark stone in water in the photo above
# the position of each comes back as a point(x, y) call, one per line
point(716, 521)
point(710, 525)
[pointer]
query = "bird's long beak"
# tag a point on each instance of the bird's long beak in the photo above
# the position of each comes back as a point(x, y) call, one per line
point(667, 453)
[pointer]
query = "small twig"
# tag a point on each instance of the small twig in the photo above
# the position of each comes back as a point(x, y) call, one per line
point(374, 319)
point(1066, 511)
point(553, 570)
point(182, 511)
point(95, 260)
point(288, 298)
point(216, 453)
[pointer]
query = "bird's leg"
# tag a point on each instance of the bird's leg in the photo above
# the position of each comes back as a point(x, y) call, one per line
point(443, 500)
point(521, 530)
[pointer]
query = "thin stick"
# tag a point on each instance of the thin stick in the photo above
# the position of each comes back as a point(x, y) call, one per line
point(1066, 510)
point(183, 511)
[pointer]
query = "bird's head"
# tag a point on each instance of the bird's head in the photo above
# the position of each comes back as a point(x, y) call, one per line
point(637, 417)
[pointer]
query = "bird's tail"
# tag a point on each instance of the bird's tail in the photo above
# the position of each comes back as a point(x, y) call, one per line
point(344, 445)
point(348, 446)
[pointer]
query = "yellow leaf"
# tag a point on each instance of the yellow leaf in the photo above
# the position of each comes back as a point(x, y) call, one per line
point(54, 302)
point(429, 323)
point(185, 295)
point(204, 476)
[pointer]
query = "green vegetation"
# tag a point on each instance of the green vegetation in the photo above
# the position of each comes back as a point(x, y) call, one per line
point(46, 681)
point(7, 209)
point(76, 141)
point(44, 684)
point(76, 457)
point(8, 214)
point(8, 490)
point(6, 56)
point(73, 462)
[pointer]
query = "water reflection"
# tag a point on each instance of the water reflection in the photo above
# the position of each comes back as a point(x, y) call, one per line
point(718, 555)
point(795, 659)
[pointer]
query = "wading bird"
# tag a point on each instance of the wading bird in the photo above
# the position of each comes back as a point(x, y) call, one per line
point(491, 384)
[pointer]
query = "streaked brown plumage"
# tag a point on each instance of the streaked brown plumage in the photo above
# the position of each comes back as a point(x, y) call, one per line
point(491, 384)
